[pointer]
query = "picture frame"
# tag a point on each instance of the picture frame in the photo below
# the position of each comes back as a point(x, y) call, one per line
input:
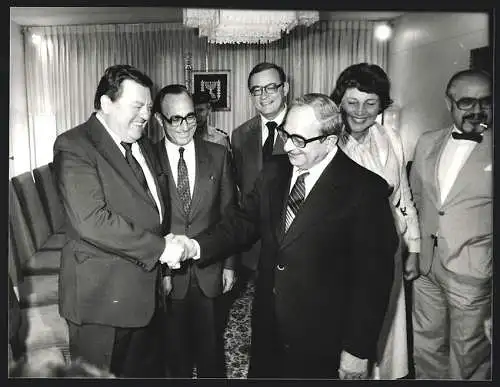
point(217, 83)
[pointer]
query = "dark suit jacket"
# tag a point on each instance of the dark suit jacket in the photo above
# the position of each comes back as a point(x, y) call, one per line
point(109, 266)
point(213, 193)
point(338, 258)
point(246, 143)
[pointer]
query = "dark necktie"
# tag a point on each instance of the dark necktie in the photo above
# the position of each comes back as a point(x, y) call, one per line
point(295, 200)
point(183, 182)
point(267, 149)
point(136, 168)
point(472, 136)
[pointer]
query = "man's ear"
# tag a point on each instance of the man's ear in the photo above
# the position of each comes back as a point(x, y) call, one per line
point(286, 88)
point(105, 103)
point(448, 103)
point(158, 119)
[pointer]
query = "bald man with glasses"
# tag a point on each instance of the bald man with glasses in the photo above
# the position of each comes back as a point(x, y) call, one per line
point(326, 263)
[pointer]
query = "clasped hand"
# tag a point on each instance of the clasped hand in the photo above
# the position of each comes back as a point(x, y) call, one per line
point(178, 248)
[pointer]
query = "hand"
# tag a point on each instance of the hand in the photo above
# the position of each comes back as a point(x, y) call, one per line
point(166, 285)
point(228, 280)
point(487, 328)
point(412, 270)
point(174, 252)
point(352, 367)
point(189, 246)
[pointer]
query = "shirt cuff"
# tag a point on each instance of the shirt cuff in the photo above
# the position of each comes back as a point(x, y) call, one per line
point(413, 245)
point(198, 253)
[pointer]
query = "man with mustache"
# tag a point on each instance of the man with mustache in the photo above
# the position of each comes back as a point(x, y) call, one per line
point(451, 180)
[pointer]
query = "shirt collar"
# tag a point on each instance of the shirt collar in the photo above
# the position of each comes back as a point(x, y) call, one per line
point(317, 169)
point(113, 135)
point(278, 119)
point(171, 147)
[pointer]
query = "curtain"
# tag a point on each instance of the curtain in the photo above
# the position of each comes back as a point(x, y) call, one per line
point(64, 67)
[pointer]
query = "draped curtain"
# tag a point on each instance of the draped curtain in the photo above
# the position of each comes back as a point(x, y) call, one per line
point(64, 68)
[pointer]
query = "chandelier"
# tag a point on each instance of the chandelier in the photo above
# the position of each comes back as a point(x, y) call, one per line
point(242, 26)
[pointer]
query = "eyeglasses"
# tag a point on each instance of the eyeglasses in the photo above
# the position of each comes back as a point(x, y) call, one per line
point(297, 140)
point(272, 88)
point(469, 103)
point(176, 120)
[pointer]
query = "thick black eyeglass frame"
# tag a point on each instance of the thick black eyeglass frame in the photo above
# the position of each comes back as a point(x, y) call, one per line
point(260, 89)
point(298, 140)
point(185, 118)
point(475, 101)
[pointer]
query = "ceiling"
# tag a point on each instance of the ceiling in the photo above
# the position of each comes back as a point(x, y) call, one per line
point(40, 16)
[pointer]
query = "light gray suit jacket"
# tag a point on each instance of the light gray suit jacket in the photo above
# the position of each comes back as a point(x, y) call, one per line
point(463, 222)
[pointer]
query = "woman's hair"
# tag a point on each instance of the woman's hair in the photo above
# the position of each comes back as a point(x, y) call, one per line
point(368, 78)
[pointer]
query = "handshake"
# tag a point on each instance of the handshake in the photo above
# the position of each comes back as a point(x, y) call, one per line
point(178, 248)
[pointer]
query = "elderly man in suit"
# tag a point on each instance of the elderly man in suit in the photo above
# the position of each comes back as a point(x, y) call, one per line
point(326, 264)
point(451, 179)
point(254, 141)
point(201, 188)
point(114, 201)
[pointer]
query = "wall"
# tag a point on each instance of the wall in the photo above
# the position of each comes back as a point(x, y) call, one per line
point(426, 50)
point(19, 141)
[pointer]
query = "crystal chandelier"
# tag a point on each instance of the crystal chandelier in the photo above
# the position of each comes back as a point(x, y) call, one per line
point(242, 26)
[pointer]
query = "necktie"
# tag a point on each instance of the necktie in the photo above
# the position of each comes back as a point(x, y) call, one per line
point(183, 182)
point(267, 149)
point(295, 199)
point(136, 168)
point(472, 136)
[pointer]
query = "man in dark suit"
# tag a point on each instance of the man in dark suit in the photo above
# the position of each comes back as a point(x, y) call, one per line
point(201, 188)
point(326, 265)
point(114, 200)
point(256, 139)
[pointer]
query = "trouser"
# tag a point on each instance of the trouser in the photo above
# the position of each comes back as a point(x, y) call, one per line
point(193, 336)
point(125, 352)
point(448, 316)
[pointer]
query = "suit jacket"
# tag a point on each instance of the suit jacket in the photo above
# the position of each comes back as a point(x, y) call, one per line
point(213, 193)
point(463, 223)
point(109, 266)
point(246, 143)
point(336, 261)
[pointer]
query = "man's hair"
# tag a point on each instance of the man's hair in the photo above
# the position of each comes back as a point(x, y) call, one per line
point(111, 82)
point(202, 97)
point(368, 78)
point(266, 66)
point(325, 110)
point(174, 89)
point(464, 74)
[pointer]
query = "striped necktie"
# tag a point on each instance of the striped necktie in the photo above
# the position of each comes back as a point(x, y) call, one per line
point(295, 199)
point(183, 182)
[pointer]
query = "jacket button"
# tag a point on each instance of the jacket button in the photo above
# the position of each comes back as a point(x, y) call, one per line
point(441, 213)
point(280, 267)
point(274, 291)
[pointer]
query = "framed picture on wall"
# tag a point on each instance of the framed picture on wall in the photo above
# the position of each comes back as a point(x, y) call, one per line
point(217, 84)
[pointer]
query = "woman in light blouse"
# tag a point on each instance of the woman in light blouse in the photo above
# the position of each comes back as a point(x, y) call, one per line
point(363, 92)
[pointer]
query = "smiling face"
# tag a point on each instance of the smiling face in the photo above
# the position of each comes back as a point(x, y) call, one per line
point(269, 105)
point(178, 105)
point(361, 110)
point(128, 115)
point(469, 120)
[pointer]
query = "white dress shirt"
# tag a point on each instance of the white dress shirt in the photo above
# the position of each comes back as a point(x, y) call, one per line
point(278, 119)
point(137, 153)
point(453, 158)
point(189, 158)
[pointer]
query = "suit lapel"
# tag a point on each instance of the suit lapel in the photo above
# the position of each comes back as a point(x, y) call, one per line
point(278, 200)
point(320, 198)
point(108, 149)
point(253, 144)
point(147, 153)
point(175, 201)
point(203, 176)
point(434, 157)
point(480, 155)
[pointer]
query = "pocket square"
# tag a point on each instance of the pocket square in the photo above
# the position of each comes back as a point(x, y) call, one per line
point(488, 168)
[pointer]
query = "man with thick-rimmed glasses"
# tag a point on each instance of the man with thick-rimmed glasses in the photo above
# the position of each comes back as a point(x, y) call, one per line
point(254, 141)
point(201, 188)
point(327, 257)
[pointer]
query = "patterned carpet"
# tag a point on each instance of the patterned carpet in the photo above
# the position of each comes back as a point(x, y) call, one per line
point(46, 329)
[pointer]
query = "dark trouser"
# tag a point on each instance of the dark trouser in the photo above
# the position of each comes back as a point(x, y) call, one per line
point(125, 352)
point(192, 335)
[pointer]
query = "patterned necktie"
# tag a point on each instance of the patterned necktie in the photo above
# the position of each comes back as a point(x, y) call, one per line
point(136, 168)
point(267, 149)
point(183, 182)
point(295, 199)
point(472, 136)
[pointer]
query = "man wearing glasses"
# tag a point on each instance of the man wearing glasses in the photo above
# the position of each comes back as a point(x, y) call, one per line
point(451, 181)
point(201, 188)
point(254, 141)
point(326, 263)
